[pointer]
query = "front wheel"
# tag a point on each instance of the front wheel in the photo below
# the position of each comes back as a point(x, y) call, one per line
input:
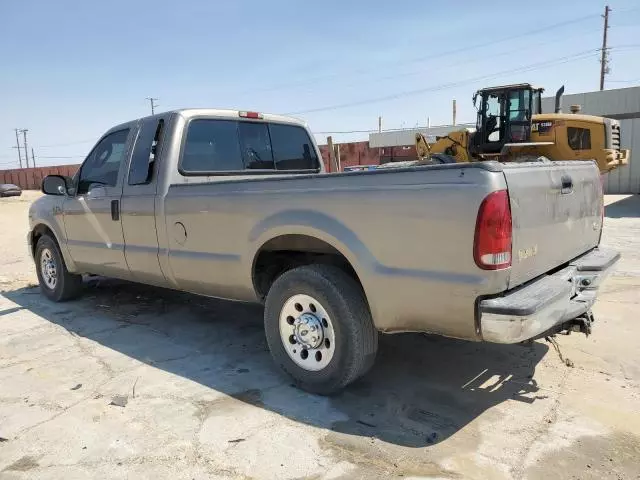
point(56, 282)
point(319, 328)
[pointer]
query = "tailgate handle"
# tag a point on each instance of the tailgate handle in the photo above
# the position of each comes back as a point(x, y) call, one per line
point(567, 184)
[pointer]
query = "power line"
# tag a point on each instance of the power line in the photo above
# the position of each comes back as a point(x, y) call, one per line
point(637, 80)
point(66, 144)
point(534, 66)
point(376, 130)
point(462, 62)
point(9, 163)
point(466, 48)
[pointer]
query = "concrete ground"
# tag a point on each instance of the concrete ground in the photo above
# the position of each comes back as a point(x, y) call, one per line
point(143, 383)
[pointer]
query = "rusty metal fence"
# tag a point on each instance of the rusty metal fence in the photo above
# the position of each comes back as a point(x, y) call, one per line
point(31, 178)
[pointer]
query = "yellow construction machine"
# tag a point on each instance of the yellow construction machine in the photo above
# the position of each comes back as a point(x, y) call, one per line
point(511, 127)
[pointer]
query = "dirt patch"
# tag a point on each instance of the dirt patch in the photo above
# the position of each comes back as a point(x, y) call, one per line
point(608, 456)
point(24, 464)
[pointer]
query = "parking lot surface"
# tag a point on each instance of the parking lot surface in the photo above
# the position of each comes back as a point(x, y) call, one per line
point(144, 383)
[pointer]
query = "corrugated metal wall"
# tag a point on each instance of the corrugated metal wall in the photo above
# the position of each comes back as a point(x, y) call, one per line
point(31, 178)
point(626, 179)
point(621, 102)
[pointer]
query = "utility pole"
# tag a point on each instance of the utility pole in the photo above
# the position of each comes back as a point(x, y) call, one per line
point(26, 150)
point(33, 158)
point(18, 147)
point(332, 153)
point(604, 60)
point(454, 111)
point(152, 101)
point(379, 124)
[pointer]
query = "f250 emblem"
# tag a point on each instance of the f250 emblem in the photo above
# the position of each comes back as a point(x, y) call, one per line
point(525, 253)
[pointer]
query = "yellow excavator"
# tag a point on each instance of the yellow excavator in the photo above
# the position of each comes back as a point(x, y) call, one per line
point(511, 127)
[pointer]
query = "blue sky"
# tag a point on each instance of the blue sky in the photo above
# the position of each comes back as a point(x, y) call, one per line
point(72, 69)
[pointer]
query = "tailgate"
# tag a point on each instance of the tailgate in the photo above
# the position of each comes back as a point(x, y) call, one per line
point(556, 212)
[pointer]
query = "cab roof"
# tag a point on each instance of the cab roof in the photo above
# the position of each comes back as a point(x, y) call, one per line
point(188, 113)
point(568, 116)
point(236, 114)
point(511, 86)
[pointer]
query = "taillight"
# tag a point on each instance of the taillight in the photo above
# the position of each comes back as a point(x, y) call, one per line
point(249, 114)
point(492, 243)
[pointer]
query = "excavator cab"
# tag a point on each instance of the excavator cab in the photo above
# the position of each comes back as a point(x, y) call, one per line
point(504, 116)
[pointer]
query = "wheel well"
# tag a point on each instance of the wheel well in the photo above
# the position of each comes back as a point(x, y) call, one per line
point(38, 232)
point(290, 251)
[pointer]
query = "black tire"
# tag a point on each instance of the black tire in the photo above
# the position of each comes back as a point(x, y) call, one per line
point(355, 337)
point(67, 285)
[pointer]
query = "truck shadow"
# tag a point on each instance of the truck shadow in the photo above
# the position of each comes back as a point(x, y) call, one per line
point(626, 207)
point(422, 389)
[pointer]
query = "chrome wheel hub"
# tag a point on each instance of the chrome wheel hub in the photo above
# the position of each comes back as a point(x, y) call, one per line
point(48, 269)
point(307, 332)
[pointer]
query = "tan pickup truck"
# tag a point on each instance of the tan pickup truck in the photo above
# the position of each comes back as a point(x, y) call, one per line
point(236, 205)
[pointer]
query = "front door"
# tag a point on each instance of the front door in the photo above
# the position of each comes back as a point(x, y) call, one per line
point(92, 215)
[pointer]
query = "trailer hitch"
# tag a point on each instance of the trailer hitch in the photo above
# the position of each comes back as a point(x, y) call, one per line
point(582, 323)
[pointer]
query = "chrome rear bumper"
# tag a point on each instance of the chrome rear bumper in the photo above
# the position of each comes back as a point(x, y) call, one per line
point(546, 302)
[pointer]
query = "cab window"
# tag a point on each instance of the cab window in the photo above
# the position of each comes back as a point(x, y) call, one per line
point(103, 163)
point(212, 146)
point(292, 148)
point(234, 146)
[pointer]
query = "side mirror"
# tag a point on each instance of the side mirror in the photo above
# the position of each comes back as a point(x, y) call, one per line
point(54, 185)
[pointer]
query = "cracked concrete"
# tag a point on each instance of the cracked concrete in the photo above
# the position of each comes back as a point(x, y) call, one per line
point(209, 404)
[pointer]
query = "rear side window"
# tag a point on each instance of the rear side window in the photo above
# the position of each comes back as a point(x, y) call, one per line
point(292, 148)
point(579, 138)
point(145, 152)
point(234, 146)
point(212, 146)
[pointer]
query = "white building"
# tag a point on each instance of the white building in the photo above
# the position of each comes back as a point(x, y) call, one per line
point(622, 104)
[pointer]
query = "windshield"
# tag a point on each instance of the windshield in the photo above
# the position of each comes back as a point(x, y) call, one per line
point(536, 102)
point(520, 105)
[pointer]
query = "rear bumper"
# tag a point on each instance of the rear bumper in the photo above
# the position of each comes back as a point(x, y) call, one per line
point(547, 302)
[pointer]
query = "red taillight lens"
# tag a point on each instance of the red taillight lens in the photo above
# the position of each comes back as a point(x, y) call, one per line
point(492, 243)
point(249, 114)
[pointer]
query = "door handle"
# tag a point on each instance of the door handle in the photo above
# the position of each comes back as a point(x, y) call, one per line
point(115, 210)
point(567, 184)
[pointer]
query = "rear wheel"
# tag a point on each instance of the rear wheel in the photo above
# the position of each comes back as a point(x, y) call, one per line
point(319, 328)
point(56, 282)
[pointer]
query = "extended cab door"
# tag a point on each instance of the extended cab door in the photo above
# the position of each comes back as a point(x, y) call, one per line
point(138, 207)
point(92, 214)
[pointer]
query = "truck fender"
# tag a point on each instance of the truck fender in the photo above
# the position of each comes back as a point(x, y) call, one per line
point(64, 250)
point(317, 225)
